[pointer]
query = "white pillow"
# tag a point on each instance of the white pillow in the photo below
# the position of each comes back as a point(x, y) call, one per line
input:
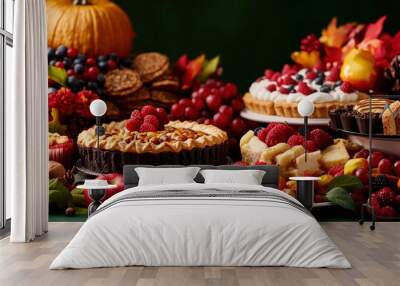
point(164, 176)
point(248, 177)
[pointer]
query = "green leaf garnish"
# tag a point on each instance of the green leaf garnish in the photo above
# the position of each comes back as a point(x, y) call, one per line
point(347, 182)
point(341, 197)
point(59, 75)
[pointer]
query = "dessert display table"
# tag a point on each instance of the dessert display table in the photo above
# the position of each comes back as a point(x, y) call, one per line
point(250, 115)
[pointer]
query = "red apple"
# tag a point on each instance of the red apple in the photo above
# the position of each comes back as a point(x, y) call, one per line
point(385, 166)
point(113, 179)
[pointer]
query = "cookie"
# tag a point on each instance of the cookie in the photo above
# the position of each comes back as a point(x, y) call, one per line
point(122, 82)
point(151, 65)
point(164, 96)
point(166, 82)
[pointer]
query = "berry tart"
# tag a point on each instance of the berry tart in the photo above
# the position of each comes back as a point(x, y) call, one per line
point(391, 119)
point(279, 93)
point(61, 149)
point(148, 138)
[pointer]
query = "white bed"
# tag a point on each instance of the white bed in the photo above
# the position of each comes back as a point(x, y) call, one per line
point(222, 225)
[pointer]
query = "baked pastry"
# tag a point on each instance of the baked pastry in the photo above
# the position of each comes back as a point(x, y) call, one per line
point(151, 65)
point(61, 149)
point(122, 82)
point(182, 143)
point(391, 119)
point(280, 95)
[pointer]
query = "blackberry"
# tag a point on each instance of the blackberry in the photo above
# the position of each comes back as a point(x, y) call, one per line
point(380, 182)
point(299, 77)
point(258, 129)
point(319, 80)
point(325, 88)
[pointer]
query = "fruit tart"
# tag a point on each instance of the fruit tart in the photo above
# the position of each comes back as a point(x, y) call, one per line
point(279, 93)
point(145, 139)
point(391, 119)
point(61, 149)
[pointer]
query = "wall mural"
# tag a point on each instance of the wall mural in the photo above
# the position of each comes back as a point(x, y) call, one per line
point(181, 111)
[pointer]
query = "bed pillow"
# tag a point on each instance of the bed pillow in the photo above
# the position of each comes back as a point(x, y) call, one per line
point(248, 177)
point(166, 176)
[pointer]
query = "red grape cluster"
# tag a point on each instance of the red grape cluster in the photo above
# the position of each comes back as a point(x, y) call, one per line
point(70, 104)
point(213, 102)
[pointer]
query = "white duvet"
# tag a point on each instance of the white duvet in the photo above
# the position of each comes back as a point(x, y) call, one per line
point(203, 231)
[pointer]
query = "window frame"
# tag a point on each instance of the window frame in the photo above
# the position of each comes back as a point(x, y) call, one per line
point(6, 39)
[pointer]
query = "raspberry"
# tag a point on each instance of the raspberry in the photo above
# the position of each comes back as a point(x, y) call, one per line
point(269, 127)
point(386, 211)
point(279, 134)
point(262, 134)
point(346, 87)
point(288, 80)
point(147, 127)
point(152, 119)
point(148, 109)
point(295, 139)
point(321, 138)
point(333, 75)
point(310, 146)
point(136, 114)
point(385, 196)
point(261, 163)
point(304, 88)
point(288, 70)
point(268, 73)
point(133, 124)
point(310, 43)
point(336, 171)
point(284, 90)
point(311, 75)
point(271, 87)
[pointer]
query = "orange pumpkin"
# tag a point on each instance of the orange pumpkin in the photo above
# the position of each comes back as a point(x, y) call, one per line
point(94, 27)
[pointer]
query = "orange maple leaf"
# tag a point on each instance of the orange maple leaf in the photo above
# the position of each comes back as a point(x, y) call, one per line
point(334, 36)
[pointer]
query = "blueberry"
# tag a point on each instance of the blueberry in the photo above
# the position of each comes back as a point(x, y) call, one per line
point(101, 78)
point(325, 88)
point(50, 53)
point(126, 62)
point(81, 57)
point(67, 63)
point(78, 68)
point(102, 65)
point(338, 83)
point(319, 80)
point(299, 77)
point(77, 61)
point(72, 81)
point(92, 85)
point(102, 58)
point(113, 56)
point(61, 52)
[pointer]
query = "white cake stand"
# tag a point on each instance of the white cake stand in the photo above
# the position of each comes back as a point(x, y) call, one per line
point(258, 117)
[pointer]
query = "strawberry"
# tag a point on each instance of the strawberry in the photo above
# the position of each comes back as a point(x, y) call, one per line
point(279, 134)
point(304, 88)
point(321, 138)
point(147, 127)
point(334, 74)
point(271, 87)
point(288, 80)
point(295, 139)
point(276, 76)
point(284, 90)
point(346, 87)
point(262, 134)
point(268, 73)
point(336, 171)
point(152, 119)
point(311, 75)
point(148, 109)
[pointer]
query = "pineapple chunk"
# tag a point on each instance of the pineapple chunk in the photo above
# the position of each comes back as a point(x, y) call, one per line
point(334, 155)
point(309, 167)
point(270, 153)
point(246, 138)
point(252, 149)
point(285, 159)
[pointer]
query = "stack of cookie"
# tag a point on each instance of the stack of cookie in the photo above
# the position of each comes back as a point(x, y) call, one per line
point(149, 81)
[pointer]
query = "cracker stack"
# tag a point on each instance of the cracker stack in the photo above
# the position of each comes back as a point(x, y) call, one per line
point(149, 81)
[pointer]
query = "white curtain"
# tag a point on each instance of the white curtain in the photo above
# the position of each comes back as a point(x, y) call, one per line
point(26, 124)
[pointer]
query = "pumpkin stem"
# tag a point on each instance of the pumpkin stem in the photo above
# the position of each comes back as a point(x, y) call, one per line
point(81, 2)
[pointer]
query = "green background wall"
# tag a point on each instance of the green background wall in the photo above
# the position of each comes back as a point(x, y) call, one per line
point(249, 35)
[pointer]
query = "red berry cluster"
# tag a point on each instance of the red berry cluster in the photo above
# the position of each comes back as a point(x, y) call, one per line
point(70, 104)
point(148, 119)
point(310, 43)
point(213, 102)
point(385, 201)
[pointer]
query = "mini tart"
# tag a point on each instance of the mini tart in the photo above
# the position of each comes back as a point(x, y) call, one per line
point(182, 143)
point(259, 106)
point(61, 149)
point(391, 119)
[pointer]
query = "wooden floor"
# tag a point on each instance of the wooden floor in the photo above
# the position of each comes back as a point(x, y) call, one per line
point(375, 257)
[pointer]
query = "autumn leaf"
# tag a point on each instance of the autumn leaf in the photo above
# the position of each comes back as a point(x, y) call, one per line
point(374, 29)
point(192, 70)
point(306, 59)
point(334, 36)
